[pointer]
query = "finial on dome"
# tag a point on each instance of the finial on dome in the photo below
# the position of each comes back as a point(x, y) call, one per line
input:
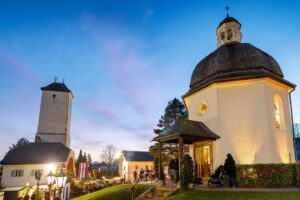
point(227, 8)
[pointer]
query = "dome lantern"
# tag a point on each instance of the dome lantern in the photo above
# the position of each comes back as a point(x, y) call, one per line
point(228, 31)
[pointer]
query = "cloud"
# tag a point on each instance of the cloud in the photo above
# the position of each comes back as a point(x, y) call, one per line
point(121, 52)
point(12, 62)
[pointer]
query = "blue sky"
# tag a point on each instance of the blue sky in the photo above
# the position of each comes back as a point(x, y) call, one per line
point(123, 60)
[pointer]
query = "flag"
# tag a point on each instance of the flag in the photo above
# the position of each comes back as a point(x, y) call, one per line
point(82, 170)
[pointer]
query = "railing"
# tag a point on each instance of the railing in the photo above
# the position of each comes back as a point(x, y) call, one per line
point(151, 191)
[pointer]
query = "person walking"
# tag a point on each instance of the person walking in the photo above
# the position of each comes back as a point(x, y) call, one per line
point(230, 170)
point(173, 167)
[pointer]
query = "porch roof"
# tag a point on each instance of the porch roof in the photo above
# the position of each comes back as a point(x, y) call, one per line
point(189, 130)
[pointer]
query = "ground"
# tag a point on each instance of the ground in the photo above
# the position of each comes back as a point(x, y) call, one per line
point(118, 192)
point(222, 195)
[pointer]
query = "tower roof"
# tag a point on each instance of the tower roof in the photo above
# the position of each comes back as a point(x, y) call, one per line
point(56, 86)
point(229, 19)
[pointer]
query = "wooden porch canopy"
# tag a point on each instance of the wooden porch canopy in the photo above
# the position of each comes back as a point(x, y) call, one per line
point(184, 131)
point(189, 130)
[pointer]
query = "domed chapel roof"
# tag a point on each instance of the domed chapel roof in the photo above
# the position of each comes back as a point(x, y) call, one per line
point(233, 60)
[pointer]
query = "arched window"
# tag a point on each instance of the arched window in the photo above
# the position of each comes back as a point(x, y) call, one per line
point(229, 35)
point(278, 112)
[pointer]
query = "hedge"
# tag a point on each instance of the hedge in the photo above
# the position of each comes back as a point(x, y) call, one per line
point(268, 175)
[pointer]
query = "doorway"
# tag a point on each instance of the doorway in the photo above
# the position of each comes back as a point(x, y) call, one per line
point(203, 159)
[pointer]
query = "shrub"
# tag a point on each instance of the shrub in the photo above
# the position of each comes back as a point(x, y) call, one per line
point(187, 171)
point(268, 175)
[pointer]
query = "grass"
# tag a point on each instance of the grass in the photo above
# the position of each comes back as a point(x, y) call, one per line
point(117, 192)
point(224, 195)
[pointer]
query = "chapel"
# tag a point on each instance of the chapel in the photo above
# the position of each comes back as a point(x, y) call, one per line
point(238, 102)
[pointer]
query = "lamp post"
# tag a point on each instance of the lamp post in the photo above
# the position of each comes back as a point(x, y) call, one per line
point(61, 179)
point(38, 175)
point(50, 179)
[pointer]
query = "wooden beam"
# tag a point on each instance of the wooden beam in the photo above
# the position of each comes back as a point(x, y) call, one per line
point(159, 160)
point(180, 154)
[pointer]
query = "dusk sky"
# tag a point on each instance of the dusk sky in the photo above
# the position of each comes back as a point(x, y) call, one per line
point(123, 60)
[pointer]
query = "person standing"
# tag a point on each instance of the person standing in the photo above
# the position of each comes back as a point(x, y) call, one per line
point(230, 170)
point(142, 174)
point(135, 175)
point(173, 167)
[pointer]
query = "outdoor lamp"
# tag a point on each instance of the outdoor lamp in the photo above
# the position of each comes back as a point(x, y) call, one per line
point(50, 178)
point(61, 178)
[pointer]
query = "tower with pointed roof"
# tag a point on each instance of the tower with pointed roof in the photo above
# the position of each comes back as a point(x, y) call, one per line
point(55, 114)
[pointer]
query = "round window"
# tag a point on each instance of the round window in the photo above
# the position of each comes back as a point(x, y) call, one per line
point(202, 109)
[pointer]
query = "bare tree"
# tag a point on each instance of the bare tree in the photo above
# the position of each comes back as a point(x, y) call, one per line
point(108, 155)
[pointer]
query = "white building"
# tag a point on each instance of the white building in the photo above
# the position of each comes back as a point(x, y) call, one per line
point(51, 147)
point(20, 164)
point(131, 161)
point(238, 103)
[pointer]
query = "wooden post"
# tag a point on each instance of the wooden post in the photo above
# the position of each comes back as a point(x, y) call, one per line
point(180, 155)
point(159, 161)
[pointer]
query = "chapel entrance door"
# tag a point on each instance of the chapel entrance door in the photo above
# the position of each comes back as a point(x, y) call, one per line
point(202, 160)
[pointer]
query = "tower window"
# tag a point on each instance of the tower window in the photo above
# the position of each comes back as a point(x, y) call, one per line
point(53, 96)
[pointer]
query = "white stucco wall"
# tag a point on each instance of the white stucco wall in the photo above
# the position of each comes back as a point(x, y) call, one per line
point(242, 114)
point(9, 181)
point(126, 168)
point(55, 117)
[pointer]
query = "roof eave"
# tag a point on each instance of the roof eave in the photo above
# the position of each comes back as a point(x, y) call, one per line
point(192, 91)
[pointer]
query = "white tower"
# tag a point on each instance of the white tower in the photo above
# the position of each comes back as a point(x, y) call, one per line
point(55, 114)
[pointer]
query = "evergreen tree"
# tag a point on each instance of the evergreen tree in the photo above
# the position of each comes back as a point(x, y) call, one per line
point(297, 130)
point(85, 158)
point(80, 159)
point(173, 111)
point(20, 142)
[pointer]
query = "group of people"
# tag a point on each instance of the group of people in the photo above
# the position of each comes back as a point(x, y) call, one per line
point(229, 170)
point(142, 175)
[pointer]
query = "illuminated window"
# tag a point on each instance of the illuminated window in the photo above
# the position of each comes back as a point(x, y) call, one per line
point(276, 113)
point(202, 109)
